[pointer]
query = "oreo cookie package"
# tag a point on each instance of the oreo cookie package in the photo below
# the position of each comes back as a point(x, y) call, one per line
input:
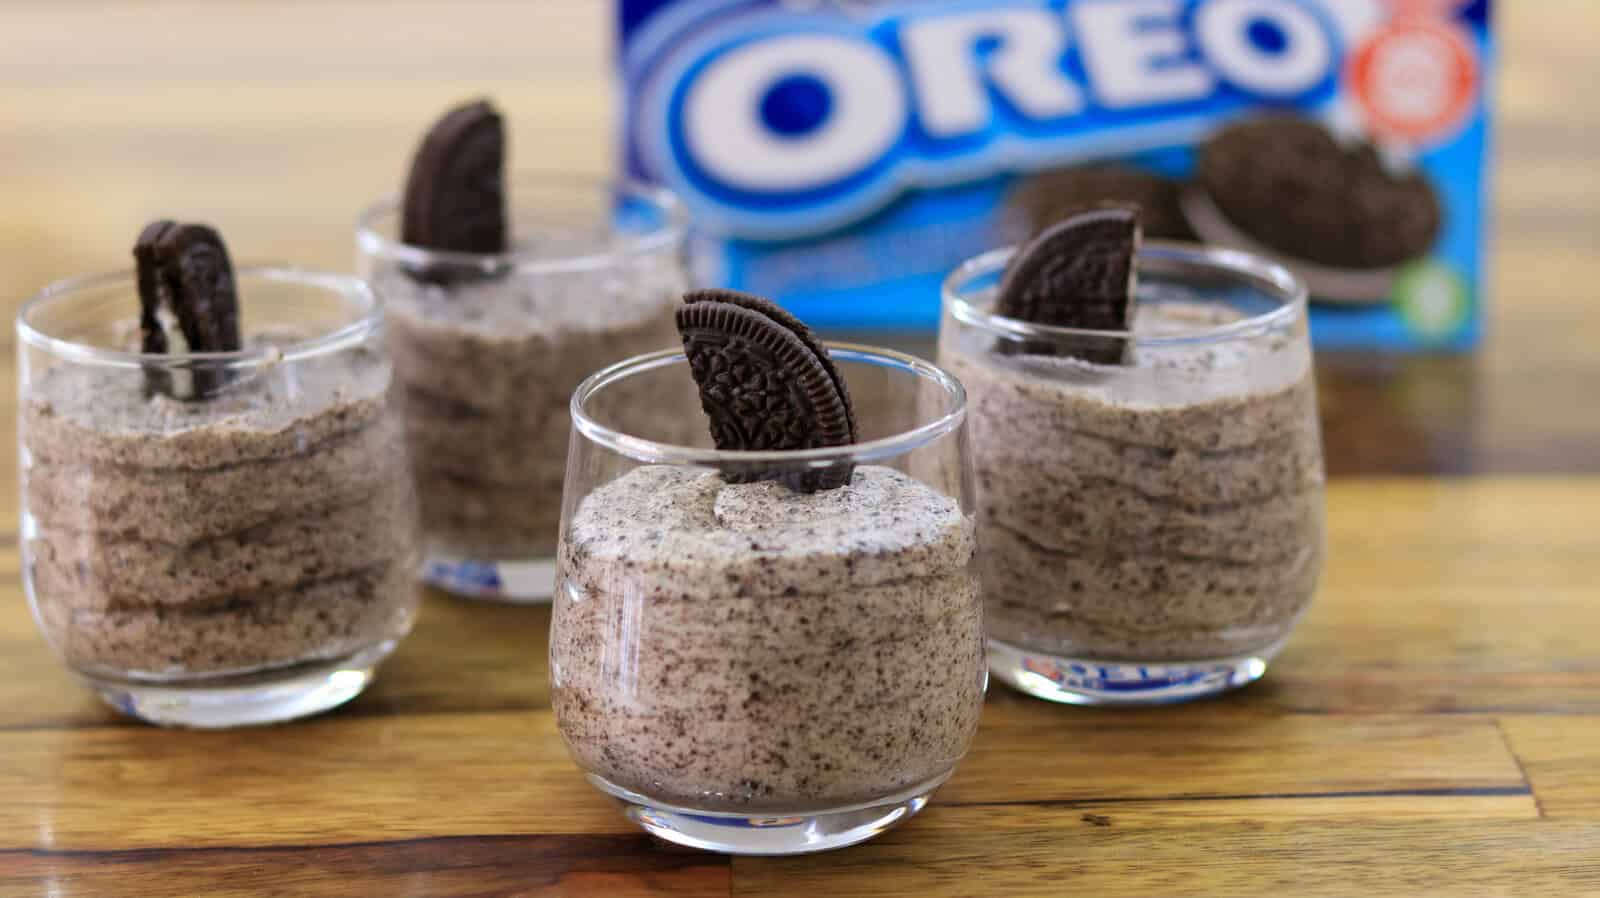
point(844, 155)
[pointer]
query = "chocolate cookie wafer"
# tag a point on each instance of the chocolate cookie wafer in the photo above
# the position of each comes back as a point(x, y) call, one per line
point(1289, 184)
point(455, 194)
point(765, 381)
point(1078, 274)
point(185, 267)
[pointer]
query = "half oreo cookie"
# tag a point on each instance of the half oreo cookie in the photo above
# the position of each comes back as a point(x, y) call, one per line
point(455, 193)
point(1294, 187)
point(1079, 273)
point(766, 382)
point(185, 267)
point(153, 295)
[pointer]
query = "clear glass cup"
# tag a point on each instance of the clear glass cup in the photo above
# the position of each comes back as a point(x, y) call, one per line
point(1149, 532)
point(754, 670)
point(241, 559)
point(489, 347)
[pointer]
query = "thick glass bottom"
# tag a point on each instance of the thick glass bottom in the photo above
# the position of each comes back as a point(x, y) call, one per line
point(1083, 681)
point(268, 697)
point(523, 581)
point(772, 832)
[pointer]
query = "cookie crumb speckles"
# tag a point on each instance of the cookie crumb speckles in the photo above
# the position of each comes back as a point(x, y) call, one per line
point(1171, 512)
point(248, 532)
point(745, 646)
point(488, 368)
point(490, 346)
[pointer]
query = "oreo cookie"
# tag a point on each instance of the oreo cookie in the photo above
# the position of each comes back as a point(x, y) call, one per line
point(1290, 185)
point(455, 192)
point(1079, 273)
point(186, 268)
point(766, 383)
point(1038, 201)
point(153, 294)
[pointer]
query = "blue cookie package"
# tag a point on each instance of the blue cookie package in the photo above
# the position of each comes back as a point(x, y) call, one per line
point(844, 155)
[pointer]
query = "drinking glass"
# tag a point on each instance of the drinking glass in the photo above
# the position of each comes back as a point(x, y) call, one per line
point(488, 348)
point(752, 669)
point(244, 558)
point(1149, 531)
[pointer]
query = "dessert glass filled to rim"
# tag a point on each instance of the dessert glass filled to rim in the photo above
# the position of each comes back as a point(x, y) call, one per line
point(1150, 531)
point(489, 347)
point(755, 669)
point(242, 558)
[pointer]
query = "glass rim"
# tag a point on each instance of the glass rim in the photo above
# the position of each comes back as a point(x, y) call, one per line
point(346, 335)
point(654, 452)
point(1267, 275)
point(668, 236)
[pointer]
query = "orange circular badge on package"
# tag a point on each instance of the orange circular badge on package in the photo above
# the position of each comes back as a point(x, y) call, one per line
point(1415, 79)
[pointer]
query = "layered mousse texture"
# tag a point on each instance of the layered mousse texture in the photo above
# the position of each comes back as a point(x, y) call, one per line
point(488, 367)
point(746, 647)
point(270, 525)
point(1165, 510)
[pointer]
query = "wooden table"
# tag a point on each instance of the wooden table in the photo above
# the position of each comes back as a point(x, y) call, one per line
point(1434, 727)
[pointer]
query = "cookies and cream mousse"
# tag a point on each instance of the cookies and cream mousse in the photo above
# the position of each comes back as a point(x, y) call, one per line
point(488, 357)
point(767, 640)
point(215, 522)
point(1138, 502)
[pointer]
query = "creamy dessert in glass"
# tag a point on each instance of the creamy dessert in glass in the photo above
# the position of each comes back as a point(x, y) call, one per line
point(770, 642)
point(1149, 466)
point(218, 526)
point(502, 296)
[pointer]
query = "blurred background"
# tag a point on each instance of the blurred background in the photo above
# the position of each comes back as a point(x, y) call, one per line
point(278, 120)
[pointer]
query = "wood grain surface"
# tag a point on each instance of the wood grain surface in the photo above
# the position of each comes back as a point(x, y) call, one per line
point(1432, 729)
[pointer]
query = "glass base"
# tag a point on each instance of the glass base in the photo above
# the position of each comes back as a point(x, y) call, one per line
point(1081, 681)
point(267, 697)
point(526, 582)
point(772, 833)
